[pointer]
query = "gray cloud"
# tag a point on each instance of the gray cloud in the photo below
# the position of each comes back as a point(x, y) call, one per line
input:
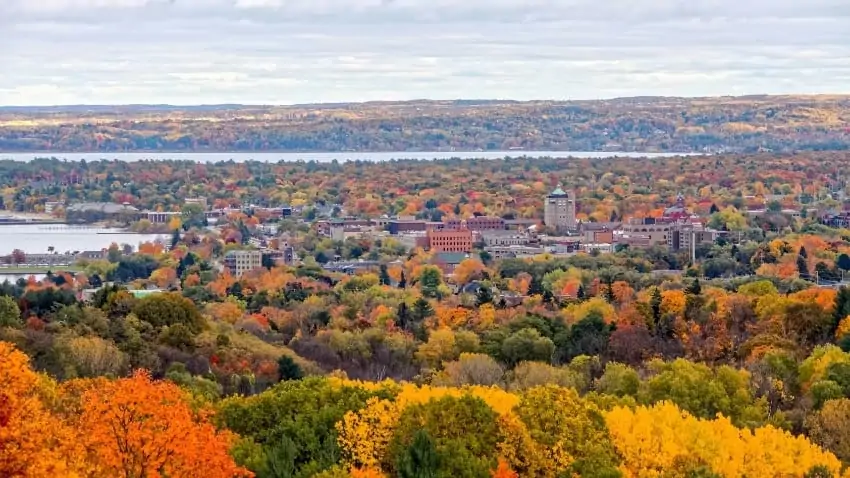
point(296, 51)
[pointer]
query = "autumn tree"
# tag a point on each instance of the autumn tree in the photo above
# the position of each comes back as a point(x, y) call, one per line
point(10, 314)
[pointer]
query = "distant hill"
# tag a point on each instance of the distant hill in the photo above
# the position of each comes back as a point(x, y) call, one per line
point(643, 124)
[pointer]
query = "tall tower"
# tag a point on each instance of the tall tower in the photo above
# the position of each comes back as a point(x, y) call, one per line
point(559, 210)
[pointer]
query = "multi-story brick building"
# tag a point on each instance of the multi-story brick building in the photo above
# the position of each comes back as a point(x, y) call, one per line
point(450, 241)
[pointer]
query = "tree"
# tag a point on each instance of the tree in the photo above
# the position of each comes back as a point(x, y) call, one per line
point(527, 344)
point(139, 427)
point(568, 430)
point(33, 442)
point(430, 281)
point(384, 275)
point(843, 262)
point(175, 238)
point(483, 296)
point(420, 459)
point(464, 430)
point(10, 314)
point(829, 427)
point(841, 308)
point(695, 288)
point(802, 266)
point(589, 336)
point(655, 305)
point(536, 285)
point(167, 309)
point(288, 369)
point(422, 310)
point(470, 369)
point(402, 283)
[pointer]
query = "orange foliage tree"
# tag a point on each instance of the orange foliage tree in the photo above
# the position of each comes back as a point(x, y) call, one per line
point(137, 428)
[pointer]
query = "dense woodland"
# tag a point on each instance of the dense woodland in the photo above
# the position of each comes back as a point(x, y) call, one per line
point(746, 124)
point(736, 365)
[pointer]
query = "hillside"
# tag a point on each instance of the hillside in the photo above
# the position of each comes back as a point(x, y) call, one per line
point(742, 124)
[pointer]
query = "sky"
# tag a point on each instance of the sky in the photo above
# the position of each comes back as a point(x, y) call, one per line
point(55, 52)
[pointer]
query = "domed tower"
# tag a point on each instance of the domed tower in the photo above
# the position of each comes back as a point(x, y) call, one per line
point(559, 210)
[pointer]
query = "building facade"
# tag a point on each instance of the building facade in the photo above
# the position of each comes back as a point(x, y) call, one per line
point(450, 241)
point(240, 262)
point(559, 210)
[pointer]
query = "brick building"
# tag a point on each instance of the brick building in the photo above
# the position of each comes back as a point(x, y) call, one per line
point(450, 241)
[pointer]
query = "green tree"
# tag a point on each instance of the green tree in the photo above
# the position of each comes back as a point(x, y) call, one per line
point(843, 262)
point(527, 345)
point(802, 266)
point(841, 309)
point(589, 336)
point(430, 281)
point(465, 435)
point(705, 392)
point(402, 282)
point(618, 379)
point(422, 310)
point(168, 309)
point(287, 369)
point(10, 313)
point(420, 459)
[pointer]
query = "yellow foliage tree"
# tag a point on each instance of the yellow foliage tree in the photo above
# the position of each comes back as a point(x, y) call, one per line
point(654, 441)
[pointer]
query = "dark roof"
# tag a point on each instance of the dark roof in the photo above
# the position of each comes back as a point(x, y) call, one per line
point(451, 257)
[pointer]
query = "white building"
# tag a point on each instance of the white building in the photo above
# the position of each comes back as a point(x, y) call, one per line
point(560, 210)
point(240, 262)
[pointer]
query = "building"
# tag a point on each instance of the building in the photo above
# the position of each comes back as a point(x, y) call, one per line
point(240, 262)
point(398, 226)
point(506, 238)
point(513, 252)
point(448, 261)
point(100, 211)
point(605, 248)
point(656, 231)
point(51, 206)
point(559, 210)
point(685, 237)
point(158, 217)
point(199, 201)
point(485, 223)
point(450, 241)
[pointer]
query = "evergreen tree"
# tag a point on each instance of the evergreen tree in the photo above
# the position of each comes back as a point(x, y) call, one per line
point(422, 310)
point(695, 288)
point(580, 293)
point(288, 369)
point(803, 253)
point(802, 266)
point(536, 286)
point(403, 317)
point(420, 459)
point(402, 283)
point(843, 262)
point(842, 308)
point(385, 276)
point(714, 209)
point(483, 296)
point(175, 238)
point(655, 305)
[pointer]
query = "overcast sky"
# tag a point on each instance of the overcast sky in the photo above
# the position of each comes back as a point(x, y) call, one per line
point(304, 51)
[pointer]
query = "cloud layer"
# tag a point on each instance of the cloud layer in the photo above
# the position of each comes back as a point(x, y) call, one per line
point(299, 51)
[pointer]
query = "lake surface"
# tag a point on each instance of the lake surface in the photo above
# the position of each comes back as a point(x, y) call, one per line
point(328, 157)
point(36, 239)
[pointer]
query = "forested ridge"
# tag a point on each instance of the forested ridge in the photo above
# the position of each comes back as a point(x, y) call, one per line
point(652, 124)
